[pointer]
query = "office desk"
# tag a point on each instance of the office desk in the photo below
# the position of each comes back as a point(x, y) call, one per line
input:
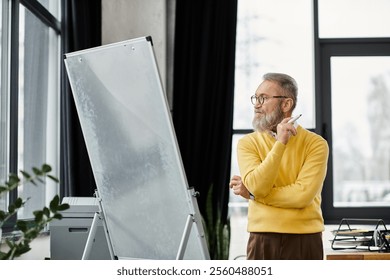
point(357, 256)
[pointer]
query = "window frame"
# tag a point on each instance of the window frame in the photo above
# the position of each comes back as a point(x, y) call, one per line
point(323, 49)
point(343, 47)
point(12, 82)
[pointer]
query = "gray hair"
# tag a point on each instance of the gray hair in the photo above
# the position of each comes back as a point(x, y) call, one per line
point(287, 83)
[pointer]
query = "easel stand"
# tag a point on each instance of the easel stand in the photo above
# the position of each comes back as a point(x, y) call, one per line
point(92, 232)
point(192, 220)
point(119, 131)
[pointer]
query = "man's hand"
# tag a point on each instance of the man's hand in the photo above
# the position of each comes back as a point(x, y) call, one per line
point(285, 130)
point(238, 187)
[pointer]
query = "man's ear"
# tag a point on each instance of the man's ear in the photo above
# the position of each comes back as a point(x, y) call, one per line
point(287, 105)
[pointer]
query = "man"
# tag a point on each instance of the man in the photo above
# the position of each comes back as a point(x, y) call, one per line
point(283, 167)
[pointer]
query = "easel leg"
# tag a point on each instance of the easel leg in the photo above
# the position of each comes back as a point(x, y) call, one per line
point(185, 237)
point(91, 237)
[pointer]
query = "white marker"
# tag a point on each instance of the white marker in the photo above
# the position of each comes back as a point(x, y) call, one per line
point(293, 120)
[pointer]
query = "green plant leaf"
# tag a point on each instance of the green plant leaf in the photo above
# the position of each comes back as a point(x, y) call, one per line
point(25, 174)
point(38, 216)
point(57, 216)
point(9, 243)
point(22, 225)
point(11, 208)
point(18, 202)
point(54, 203)
point(46, 212)
point(2, 215)
point(46, 168)
point(22, 250)
point(37, 171)
point(63, 207)
point(13, 180)
point(33, 233)
point(3, 256)
point(55, 179)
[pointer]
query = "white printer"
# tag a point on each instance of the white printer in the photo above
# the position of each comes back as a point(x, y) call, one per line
point(69, 235)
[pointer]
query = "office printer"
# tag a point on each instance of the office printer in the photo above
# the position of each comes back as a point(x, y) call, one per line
point(68, 236)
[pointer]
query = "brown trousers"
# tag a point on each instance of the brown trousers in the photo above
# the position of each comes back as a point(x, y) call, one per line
point(284, 246)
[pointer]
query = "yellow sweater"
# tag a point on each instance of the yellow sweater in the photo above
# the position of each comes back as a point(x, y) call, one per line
point(286, 181)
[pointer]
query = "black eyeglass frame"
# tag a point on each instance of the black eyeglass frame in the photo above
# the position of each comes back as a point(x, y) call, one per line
point(261, 99)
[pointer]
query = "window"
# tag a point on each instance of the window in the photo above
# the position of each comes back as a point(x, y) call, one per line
point(353, 19)
point(354, 88)
point(265, 43)
point(30, 105)
point(38, 118)
point(339, 53)
point(361, 174)
point(275, 47)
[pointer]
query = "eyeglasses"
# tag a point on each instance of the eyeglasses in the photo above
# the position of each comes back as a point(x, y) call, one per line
point(263, 98)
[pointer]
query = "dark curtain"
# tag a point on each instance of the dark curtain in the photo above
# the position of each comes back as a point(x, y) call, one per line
point(205, 36)
point(81, 27)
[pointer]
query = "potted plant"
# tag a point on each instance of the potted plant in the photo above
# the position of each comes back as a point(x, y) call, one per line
point(27, 231)
point(217, 232)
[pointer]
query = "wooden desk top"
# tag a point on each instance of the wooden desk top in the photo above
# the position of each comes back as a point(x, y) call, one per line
point(358, 256)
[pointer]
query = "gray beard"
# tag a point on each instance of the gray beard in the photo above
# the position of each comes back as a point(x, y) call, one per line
point(268, 122)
